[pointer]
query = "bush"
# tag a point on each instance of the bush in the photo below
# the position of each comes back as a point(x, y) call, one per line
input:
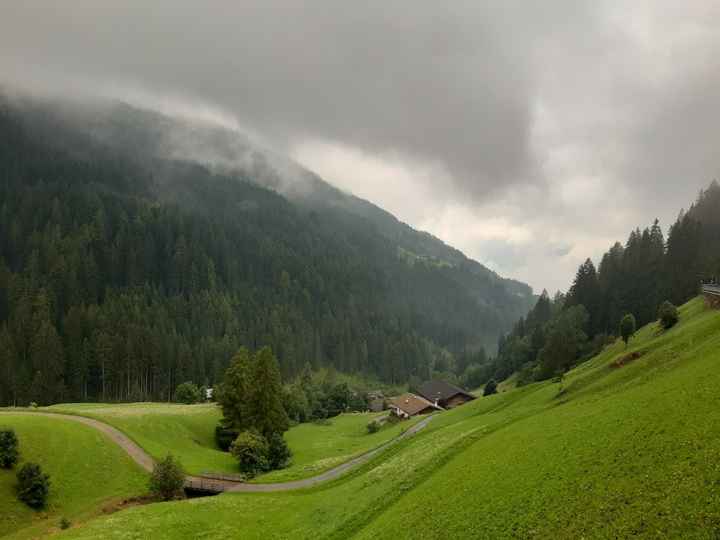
point(9, 452)
point(167, 479)
point(279, 452)
point(187, 393)
point(33, 405)
point(373, 426)
point(33, 485)
point(252, 452)
point(65, 523)
point(490, 388)
point(526, 375)
point(627, 327)
point(224, 437)
point(668, 315)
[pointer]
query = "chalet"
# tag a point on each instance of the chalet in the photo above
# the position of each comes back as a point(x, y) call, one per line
point(444, 394)
point(409, 405)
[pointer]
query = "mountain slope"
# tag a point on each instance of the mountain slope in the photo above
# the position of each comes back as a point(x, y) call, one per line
point(613, 452)
point(125, 269)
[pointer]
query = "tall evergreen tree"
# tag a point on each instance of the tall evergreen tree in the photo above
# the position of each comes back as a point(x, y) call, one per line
point(235, 393)
point(267, 414)
point(585, 291)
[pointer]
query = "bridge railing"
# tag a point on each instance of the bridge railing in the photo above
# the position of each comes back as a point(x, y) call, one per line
point(202, 485)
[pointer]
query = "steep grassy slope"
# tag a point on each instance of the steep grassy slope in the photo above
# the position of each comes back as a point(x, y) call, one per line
point(187, 431)
point(612, 452)
point(86, 470)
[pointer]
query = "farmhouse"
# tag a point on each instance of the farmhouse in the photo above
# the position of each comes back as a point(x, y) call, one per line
point(409, 405)
point(444, 394)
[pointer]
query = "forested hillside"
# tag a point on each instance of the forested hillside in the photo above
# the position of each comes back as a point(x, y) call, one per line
point(635, 278)
point(125, 269)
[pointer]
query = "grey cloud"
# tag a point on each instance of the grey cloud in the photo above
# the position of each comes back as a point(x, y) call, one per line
point(433, 82)
point(573, 119)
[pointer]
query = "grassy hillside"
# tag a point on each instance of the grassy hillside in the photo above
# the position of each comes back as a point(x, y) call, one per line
point(610, 452)
point(187, 431)
point(317, 448)
point(86, 470)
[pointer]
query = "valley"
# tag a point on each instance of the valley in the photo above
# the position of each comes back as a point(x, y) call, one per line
point(600, 448)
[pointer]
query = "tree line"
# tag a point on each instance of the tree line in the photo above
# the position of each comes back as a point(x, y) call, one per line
point(645, 278)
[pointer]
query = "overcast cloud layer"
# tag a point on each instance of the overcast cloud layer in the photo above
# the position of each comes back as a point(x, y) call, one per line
point(528, 134)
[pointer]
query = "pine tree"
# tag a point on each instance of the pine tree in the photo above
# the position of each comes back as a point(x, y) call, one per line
point(235, 393)
point(585, 291)
point(267, 414)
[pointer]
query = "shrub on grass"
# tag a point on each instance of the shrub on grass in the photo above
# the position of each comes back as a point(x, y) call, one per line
point(668, 315)
point(278, 451)
point(187, 393)
point(65, 523)
point(9, 452)
point(225, 436)
point(252, 453)
point(373, 426)
point(490, 388)
point(33, 485)
point(627, 327)
point(167, 479)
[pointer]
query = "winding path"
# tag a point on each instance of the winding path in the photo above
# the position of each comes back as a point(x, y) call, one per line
point(142, 458)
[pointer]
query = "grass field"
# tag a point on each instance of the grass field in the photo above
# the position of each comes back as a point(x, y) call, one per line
point(86, 470)
point(611, 452)
point(188, 432)
point(319, 447)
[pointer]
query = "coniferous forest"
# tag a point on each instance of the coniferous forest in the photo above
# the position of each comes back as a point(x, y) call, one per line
point(124, 273)
point(635, 278)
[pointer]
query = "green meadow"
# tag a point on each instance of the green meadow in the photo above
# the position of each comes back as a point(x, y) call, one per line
point(187, 431)
point(618, 449)
point(86, 471)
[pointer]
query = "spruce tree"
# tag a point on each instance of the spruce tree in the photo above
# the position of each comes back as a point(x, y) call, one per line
point(267, 414)
point(234, 394)
point(585, 291)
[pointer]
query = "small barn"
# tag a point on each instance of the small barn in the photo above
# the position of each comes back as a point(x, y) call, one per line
point(444, 394)
point(409, 405)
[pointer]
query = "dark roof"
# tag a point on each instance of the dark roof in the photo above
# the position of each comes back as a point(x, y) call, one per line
point(412, 404)
point(441, 391)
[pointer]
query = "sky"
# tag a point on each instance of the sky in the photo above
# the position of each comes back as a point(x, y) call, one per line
point(530, 135)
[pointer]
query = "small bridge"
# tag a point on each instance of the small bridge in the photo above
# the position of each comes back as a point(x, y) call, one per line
point(199, 486)
point(711, 292)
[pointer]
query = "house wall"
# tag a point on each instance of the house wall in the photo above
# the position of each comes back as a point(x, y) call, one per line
point(399, 412)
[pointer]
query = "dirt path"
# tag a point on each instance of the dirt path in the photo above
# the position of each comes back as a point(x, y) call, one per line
point(143, 459)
